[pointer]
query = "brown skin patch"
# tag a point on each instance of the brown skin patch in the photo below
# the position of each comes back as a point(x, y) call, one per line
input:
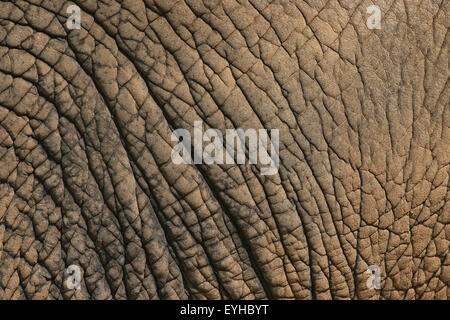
point(86, 176)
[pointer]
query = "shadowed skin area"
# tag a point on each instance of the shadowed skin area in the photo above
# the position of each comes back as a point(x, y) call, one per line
point(86, 176)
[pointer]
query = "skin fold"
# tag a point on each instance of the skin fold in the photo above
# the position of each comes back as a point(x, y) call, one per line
point(86, 177)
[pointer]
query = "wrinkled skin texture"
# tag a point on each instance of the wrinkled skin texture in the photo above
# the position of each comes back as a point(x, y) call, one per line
point(86, 176)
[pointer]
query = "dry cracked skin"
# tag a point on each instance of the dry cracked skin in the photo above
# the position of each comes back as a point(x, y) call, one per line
point(86, 176)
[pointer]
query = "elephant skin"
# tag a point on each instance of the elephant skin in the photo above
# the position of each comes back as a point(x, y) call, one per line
point(87, 183)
